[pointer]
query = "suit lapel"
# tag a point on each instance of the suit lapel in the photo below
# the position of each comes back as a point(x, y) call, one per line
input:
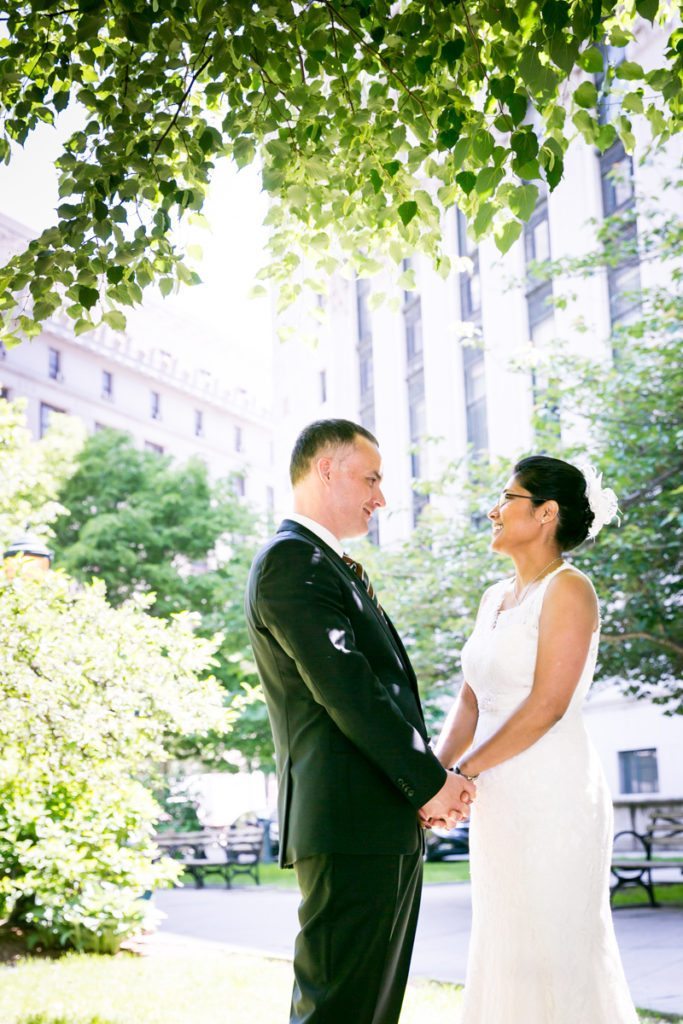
point(290, 526)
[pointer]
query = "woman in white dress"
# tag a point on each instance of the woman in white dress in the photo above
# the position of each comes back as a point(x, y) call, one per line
point(543, 949)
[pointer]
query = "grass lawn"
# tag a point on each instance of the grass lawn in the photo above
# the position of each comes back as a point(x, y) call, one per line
point(178, 988)
point(271, 874)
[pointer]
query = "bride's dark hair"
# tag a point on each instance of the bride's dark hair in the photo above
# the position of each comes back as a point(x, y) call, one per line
point(549, 479)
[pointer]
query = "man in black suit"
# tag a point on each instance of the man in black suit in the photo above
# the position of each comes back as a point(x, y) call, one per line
point(355, 771)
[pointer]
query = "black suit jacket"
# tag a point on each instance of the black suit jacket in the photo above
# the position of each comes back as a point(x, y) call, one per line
point(351, 746)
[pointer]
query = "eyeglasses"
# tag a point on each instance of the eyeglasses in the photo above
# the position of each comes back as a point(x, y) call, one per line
point(506, 496)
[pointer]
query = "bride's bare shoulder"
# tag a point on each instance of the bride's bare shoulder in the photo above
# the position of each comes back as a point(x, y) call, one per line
point(572, 587)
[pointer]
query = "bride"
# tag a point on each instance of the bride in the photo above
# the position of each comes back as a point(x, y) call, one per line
point(543, 949)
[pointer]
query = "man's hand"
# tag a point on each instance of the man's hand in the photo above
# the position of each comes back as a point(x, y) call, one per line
point(450, 805)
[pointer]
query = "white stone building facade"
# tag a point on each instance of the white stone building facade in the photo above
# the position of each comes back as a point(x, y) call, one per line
point(127, 382)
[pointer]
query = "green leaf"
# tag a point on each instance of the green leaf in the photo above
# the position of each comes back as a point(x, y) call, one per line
point(633, 103)
point(523, 201)
point(586, 95)
point(392, 168)
point(88, 297)
point(592, 60)
point(466, 180)
point(375, 180)
point(606, 137)
point(647, 9)
point(488, 179)
point(115, 319)
point(483, 219)
point(587, 125)
point(83, 326)
point(508, 234)
point(407, 211)
point(629, 71)
point(517, 104)
point(452, 50)
point(482, 145)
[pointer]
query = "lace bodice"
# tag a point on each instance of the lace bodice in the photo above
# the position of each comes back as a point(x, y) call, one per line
point(499, 658)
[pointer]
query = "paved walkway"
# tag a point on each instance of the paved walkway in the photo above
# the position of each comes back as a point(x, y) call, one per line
point(264, 920)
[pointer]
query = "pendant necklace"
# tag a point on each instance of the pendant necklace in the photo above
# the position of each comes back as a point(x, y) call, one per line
point(518, 600)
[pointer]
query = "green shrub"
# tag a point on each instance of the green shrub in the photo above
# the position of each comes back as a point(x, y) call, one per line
point(91, 697)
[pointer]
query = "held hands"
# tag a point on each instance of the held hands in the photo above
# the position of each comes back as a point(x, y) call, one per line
point(450, 805)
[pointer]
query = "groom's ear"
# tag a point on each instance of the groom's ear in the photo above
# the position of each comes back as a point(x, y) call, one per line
point(323, 468)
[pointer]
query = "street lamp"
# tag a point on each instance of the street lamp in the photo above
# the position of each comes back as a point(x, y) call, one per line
point(32, 553)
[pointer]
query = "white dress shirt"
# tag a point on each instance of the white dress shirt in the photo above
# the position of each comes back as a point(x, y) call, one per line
point(318, 530)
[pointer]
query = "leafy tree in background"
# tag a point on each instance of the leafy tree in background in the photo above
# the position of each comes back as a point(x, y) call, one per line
point(32, 472)
point(143, 524)
point(630, 411)
point(370, 119)
point(93, 700)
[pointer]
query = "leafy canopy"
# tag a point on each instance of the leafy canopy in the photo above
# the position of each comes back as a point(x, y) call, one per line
point(370, 119)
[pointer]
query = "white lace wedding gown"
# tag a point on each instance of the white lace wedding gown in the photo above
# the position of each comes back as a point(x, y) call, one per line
point(542, 949)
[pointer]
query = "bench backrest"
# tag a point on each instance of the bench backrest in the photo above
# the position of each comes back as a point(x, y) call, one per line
point(665, 831)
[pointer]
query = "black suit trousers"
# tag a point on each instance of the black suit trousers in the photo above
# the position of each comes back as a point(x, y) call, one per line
point(358, 916)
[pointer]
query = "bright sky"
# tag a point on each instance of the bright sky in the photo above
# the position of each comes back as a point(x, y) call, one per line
point(214, 325)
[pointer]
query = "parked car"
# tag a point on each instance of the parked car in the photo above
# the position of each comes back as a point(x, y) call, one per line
point(443, 843)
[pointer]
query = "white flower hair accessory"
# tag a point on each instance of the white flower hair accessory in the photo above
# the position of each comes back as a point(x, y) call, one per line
point(603, 502)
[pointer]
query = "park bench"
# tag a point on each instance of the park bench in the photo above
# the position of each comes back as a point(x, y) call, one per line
point(227, 852)
point(636, 855)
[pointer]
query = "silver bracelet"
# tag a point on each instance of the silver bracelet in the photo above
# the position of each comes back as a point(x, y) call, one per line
point(470, 778)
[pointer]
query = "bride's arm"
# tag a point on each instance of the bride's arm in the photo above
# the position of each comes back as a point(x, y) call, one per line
point(458, 730)
point(569, 617)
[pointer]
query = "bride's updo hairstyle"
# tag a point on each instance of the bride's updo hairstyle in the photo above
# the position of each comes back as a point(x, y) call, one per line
point(549, 479)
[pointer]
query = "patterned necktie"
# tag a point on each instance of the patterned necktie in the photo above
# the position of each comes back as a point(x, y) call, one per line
point(364, 578)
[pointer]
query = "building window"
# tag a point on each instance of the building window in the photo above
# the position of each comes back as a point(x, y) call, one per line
point(4, 393)
point(475, 399)
point(45, 416)
point(323, 386)
point(537, 234)
point(616, 173)
point(366, 373)
point(150, 446)
point(412, 316)
point(54, 364)
point(238, 439)
point(240, 486)
point(618, 197)
point(107, 384)
point(198, 423)
point(155, 405)
point(470, 280)
point(638, 771)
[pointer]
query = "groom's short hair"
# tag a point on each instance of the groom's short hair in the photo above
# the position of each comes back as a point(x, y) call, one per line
point(321, 435)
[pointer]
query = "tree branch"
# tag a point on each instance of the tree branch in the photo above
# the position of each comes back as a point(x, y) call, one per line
point(375, 53)
point(658, 641)
point(633, 499)
point(180, 106)
point(344, 79)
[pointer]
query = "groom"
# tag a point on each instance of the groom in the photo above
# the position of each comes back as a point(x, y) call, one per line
point(353, 761)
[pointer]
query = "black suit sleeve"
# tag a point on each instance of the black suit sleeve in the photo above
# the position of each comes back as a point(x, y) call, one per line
point(300, 601)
